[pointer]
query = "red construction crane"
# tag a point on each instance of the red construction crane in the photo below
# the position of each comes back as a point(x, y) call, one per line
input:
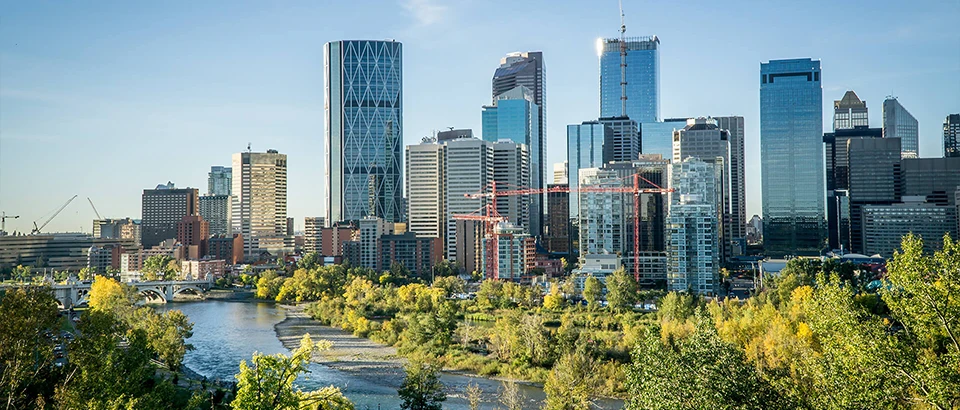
point(490, 221)
point(636, 190)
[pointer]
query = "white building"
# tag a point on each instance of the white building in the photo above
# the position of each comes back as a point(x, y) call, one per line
point(425, 181)
point(371, 229)
point(511, 170)
point(598, 266)
point(560, 174)
point(693, 252)
point(312, 233)
point(603, 222)
point(469, 170)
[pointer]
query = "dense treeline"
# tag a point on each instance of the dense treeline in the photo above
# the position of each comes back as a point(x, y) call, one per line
point(819, 335)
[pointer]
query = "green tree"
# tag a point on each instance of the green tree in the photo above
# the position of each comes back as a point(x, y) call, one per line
point(311, 260)
point(267, 383)
point(85, 273)
point(22, 273)
point(510, 396)
point(554, 300)
point(444, 268)
point(158, 267)
point(571, 383)
point(26, 355)
point(167, 334)
point(421, 388)
point(592, 292)
point(696, 372)
point(490, 295)
point(622, 291)
point(450, 285)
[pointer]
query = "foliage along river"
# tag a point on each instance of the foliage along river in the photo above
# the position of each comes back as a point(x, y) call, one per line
point(224, 333)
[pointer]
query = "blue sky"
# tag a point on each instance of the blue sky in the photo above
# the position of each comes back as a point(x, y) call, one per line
point(103, 99)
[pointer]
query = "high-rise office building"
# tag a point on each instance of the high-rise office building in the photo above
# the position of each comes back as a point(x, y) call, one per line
point(899, 123)
point(363, 83)
point(216, 210)
point(514, 117)
point(885, 225)
point(193, 233)
point(704, 140)
point(624, 142)
point(791, 157)
point(873, 177)
point(527, 69)
point(649, 214)
point(312, 234)
point(642, 78)
point(259, 204)
point(838, 181)
point(219, 181)
point(468, 170)
point(850, 112)
point(738, 200)
point(934, 178)
point(162, 209)
point(426, 186)
point(951, 136)
point(657, 137)
point(585, 147)
point(510, 170)
point(558, 219)
point(693, 263)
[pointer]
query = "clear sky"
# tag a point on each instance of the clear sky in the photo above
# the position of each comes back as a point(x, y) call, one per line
point(102, 99)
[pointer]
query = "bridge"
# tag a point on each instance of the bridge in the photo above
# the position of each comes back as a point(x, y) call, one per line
point(78, 293)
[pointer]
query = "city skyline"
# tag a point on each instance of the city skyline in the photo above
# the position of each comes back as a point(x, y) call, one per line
point(148, 91)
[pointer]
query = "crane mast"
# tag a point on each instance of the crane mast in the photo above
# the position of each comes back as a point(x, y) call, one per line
point(37, 229)
point(623, 63)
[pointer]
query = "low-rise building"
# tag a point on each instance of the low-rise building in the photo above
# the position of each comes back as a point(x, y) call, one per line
point(885, 225)
point(417, 253)
point(226, 247)
point(207, 269)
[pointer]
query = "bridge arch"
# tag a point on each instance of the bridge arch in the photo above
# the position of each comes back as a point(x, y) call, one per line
point(188, 290)
point(153, 295)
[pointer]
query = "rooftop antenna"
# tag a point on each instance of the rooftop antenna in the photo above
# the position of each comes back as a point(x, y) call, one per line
point(623, 63)
point(248, 147)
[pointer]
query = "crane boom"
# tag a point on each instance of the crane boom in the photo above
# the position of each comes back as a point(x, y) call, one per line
point(3, 221)
point(94, 208)
point(37, 229)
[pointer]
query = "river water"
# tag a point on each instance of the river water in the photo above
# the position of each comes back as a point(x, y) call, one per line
point(224, 333)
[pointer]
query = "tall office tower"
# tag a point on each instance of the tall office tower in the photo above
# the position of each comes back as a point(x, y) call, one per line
point(898, 123)
point(510, 169)
point(260, 201)
point(934, 178)
point(738, 199)
point(363, 107)
point(838, 182)
point(951, 132)
point(560, 173)
point(426, 186)
point(657, 137)
point(468, 170)
point(642, 78)
point(650, 215)
point(585, 147)
point(693, 263)
point(849, 112)
point(791, 157)
point(312, 234)
point(193, 233)
point(216, 210)
point(514, 117)
point(624, 143)
point(162, 209)
point(558, 219)
point(219, 181)
point(371, 230)
point(603, 214)
point(874, 176)
point(527, 69)
point(704, 140)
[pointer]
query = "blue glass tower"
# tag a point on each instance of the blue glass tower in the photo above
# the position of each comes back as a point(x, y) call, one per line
point(791, 157)
point(514, 117)
point(642, 77)
point(584, 150)
point(363, 106)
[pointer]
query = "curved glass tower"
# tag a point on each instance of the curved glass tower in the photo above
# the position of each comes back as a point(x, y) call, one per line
point(791, 157)
point(363, 108)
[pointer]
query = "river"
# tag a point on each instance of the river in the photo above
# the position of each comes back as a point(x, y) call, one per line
point(224, 333)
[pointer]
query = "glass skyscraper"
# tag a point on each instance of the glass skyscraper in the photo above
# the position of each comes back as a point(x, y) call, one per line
point(791, 157)
point(363, 106)
point(642, 77)
point(219, 180)
point(899, 123)
point(584, 150)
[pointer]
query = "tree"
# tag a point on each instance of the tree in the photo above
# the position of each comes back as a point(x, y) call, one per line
point(109, 295)
point(450, 284)
point(167, 334)
point(85, 273)
point(622, 291)
point(554, 300)
point(592, 291)
point(510, 396)
point(421, 388)
point(157, 267)
point(696, 372)
point(26, 355)
point(572, 382)
point(267, 383)
point(474, 396)
point(22, 273)
point(310, 261)
point(444, 268)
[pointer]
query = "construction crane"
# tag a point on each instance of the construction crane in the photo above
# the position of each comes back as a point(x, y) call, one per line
point(635, 190)
point(623, 63)
point(490, 221)
point(94, 208)
point(3, 221)
point(37, 229)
